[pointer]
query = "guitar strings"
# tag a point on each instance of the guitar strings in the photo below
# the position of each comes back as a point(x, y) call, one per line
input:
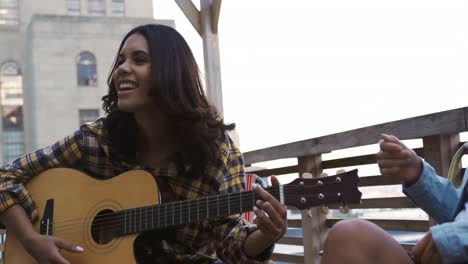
point(145, 222)
point(204, 200)
point(142, 226)
point(174, 208)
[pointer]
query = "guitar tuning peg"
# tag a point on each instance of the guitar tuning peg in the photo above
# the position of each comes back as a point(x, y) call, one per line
point(325, 209)
point(307, 175)
point(340, 171)
point(323, 174)
point(344, 209)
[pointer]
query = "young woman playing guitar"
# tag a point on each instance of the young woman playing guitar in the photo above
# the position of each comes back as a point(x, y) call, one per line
point(158, 119)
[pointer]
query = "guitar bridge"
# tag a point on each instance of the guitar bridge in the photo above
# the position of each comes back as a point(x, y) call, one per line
point(47, 219)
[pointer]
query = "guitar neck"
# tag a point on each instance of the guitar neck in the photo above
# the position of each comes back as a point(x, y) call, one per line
point(140, 219)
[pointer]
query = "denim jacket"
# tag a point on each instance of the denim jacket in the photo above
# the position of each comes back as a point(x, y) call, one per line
point(442, 201)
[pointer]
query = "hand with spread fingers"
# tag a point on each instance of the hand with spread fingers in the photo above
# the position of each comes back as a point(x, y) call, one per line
point(397, 161)
point(425, 252)
point(271, 214)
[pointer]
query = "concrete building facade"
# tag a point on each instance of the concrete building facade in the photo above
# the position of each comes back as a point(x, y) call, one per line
point(55, 57)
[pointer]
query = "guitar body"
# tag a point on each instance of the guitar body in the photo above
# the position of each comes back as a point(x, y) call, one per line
point(78, 199)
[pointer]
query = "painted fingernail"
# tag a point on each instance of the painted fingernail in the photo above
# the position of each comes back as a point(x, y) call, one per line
point(258, 202)
point(255, 208)
point(78, 248)
point(255, 185)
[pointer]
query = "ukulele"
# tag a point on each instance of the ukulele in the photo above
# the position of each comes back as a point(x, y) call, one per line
point(105, 216)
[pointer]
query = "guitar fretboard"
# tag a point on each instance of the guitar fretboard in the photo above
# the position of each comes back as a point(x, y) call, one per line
point(147, 218)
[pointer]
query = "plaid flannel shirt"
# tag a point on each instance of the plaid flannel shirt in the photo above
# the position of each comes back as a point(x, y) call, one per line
point(88, 151)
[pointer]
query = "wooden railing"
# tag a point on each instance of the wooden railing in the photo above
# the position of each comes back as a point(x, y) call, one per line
point(439, 133)
point(440, 139)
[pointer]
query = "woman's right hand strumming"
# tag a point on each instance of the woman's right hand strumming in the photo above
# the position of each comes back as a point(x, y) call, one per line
point(397, 161)
point(44, 249)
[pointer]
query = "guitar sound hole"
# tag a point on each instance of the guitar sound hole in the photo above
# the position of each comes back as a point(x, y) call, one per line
point(103, 229)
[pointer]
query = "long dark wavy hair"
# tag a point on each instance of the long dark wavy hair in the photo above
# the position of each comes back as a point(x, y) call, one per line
point(177, 91)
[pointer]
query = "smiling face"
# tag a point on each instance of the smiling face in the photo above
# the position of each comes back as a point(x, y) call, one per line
point(132, 75)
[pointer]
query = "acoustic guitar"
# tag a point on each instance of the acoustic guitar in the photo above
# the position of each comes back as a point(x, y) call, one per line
point(105, 216)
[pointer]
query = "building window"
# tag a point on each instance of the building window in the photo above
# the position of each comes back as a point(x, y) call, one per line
point(11, 93)
point(9, 14)
point(118, 7)
point(96, 7)
point(86, 69)
point(88, 115)
point(13, 132)
point(73, 7)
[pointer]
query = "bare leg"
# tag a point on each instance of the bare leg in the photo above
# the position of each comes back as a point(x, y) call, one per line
point(359, 241)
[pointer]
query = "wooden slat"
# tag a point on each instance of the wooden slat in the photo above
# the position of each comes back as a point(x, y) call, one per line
point(288, 258)
point(351, 161)
point(376, 181)
point(393, 202)
point(335, 163)
point(294, 223)
point(375, 203)
point(357, 160)
point(452, 121)
point(276, 171)
point(291, 241)
point(395, 225)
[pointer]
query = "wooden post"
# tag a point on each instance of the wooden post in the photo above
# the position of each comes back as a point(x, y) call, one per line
point(313, 220)
point(205, 23)
point(209, 16)
point(438, 151)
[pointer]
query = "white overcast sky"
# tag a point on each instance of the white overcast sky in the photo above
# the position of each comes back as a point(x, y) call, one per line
point(293, 70)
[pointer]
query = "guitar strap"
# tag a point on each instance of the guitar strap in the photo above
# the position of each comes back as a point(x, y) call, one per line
point(166, 195)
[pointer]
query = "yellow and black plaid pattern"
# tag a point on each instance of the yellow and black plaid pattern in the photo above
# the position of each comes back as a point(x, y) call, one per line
point(87, 150)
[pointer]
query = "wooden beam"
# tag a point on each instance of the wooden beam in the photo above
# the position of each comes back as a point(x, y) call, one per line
point(439, 150)
point(289, 258)
point(447, 122)
point(291, 241)
point(377, 203)
point(314, 228)
point(191, 12)
point(212, 58)
point(377, 181)
point(215, 9)
point(394, 225)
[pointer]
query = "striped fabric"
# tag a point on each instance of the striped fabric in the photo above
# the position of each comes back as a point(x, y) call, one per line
point(87, 150)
